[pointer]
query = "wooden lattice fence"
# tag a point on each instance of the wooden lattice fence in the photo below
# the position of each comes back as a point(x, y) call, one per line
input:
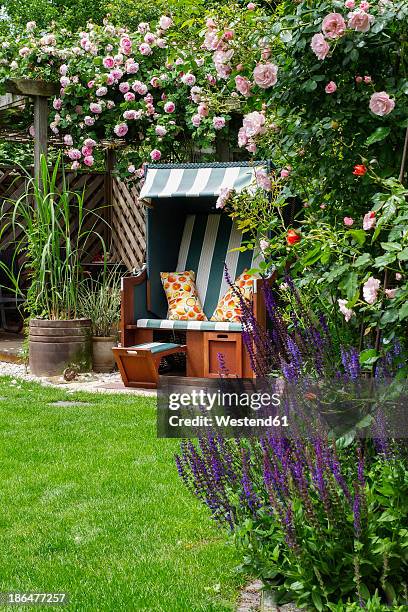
point(119, 216)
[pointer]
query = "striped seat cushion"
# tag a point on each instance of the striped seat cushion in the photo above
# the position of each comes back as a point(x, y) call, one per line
point(156, 347)
point(208, 243)
point(189, 325)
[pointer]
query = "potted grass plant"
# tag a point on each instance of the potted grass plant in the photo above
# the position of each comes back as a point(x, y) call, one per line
point(52, 228)
point(99, 301)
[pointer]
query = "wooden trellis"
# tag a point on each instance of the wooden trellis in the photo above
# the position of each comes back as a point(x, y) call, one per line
point(128, 225)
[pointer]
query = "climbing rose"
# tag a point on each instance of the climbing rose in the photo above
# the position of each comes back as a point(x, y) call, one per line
point(360, 21)
point(254, 124)
point(30, 26)
point(223, 197)
point(74, 154)
point(263, 244)
point(196, 120)
point(202, 110)
point(68, 140)
point(398, 276)
point(292, 237)
point(243, 85)
point(89, 142)
point(330, 87)
point(285, 172)
point(145, 49)
point(359, 170)
point(350, 4)
point(101, 91)
point(333, 25)
point(75, 165)
point(218, 123)
point(57, 104)
point(95, 108)
point(369, 221)
point(320, 46)
point(251, 6)
point(155, 154)
point(88, 160)
point(129, 96)
point(381, 104)
point(129, 115)
point(347, 312)
point(390, 293)
point(86, 151)
point(63, 70)
point(165, 22)
point(188, 79)
point(124, 87)
point(370, 290)
point(131, 67)
point(266, 75)
point(169, 107)
point(108, 62)
point(348, 221)
point(89, 120)
point(121, 129)
point(126, 45)
point(160, 130)
point(263, 180)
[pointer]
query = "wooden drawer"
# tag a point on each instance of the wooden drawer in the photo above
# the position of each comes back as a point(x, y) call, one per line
point(229, 345)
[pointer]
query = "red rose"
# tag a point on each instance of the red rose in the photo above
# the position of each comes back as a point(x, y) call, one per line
point(292, 237)
point(359, 170)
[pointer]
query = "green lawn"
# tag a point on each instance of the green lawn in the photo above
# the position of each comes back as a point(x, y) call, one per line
point(91, 504)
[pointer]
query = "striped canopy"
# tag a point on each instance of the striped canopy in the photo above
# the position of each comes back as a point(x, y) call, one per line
point(197, 180)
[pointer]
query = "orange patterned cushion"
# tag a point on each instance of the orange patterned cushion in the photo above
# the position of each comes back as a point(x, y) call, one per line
point(228, 308)
point(181, 293)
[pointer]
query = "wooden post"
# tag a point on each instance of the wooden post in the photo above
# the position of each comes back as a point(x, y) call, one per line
point(40, 129)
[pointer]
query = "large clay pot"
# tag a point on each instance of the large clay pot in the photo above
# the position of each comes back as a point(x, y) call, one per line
point(57, 345)
point(102, 355)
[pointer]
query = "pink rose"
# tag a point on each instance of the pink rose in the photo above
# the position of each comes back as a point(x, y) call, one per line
point(131, 67)
point(68, 140)
point(390, 293)
point(263, 180)
point(160, 130)
point(121, 130)
point(333, 25)
point(218, 123)
point(359, 79)
point(57, 103)
point(155, 154)
point(143, 27)
point(243, 85)
point(63, 70)
point(110, 79)
point(203, 110)
point(242, 137)
point(330, 87)
point(75, 165)
point(129, 96)
point(101, 91)
point(89, 160)
point(360, 21)
point(145, 49)
point(74, 154)
point(364, 5)
point(196, 120)
point(89, 142)
point(24, 51)
point(369, 221)
point(263, 244)
point(161, 43)
point(95, 108)
point(108, 62)
point(124, 87)
point(251, 6)
point(381, 104)
point(320, 46)
point(110, 104)
point(265, 75)
point(223, 197)
point(285, 172)
point(347, 312)
point(398, 276)
point(126, 45)
point(117, 74)
point(350, 4)
point(254, 124)
point(129, 115)
point(188, 79)
point(132, 169)
point(348, 221)
point(165, 22)
point(251, 147)
point(370, 290)
point(367, 79)
point(149, 38)
point(169, 107)
point(86, 151)
point(89, 121)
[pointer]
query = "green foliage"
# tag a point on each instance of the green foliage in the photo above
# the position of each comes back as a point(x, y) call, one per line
point(99, 301)
point(67, 14)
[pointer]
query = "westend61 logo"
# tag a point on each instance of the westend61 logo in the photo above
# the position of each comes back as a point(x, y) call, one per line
point(191, 408)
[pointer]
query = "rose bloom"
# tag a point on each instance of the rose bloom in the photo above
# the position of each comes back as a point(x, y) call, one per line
point(202, 110)
point(381, 104)
point(254, 124)
point(149, 38)
point(263, 180)
point(155, 154)
point(74, 154)
point(89, 160)
point(110, 79)
point(360, 21)
point(110, 104)
point(86, 151)
point(160, 130)
point(89, 142)
point(143, 27)
point(242, 137)
point(196, 120)
point(101, 91)
point(223, 197)
point(251, 6)
point(124, 87)
point(90, 84)
point(367, 79)
point(117, 74)
point(370, 290)
point(30, 26)
point(369, 221)
point(145, 49)
point(95, 108)
point(165, 22)
point(131, 67)
point(129, 96)
point(350, 4)
point(68, 140)
point(57, 103)
point(75, 165)
point(333, 25)
point(188, 79)
point(292, 237)
point(348, 221)
point(243, 85)
point(118, 58)
point(390, 293)
point(126, 45)
point(108, 62)
point(89, 120)
point(320, 46)
point(24, 51)
point(131, 169)
point(129, 115)
point(359, 170)
point(285, 172)
point(347, 312)
point(265, 75)
point(330, 87)
point(263, 244)
point(169, 107)
point(398, 276)
point(219, 123)
point(251, 147)
point(121, 129)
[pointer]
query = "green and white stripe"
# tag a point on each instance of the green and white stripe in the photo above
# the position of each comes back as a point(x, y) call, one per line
point(156, 347)
point(188, 325)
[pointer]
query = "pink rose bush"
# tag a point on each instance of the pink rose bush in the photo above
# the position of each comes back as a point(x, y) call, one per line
point(381, 104)
point(370, 290)
point(320, 46)
point(333, 25)
point(360, 21)
point(265, 75)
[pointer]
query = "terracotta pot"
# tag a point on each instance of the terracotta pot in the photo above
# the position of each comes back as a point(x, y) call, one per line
point(102, 355)
point(57, 345)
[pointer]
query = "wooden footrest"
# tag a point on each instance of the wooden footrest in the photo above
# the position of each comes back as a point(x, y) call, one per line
point(139, 364)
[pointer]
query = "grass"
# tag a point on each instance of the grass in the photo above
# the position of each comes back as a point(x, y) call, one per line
point(91, 504)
